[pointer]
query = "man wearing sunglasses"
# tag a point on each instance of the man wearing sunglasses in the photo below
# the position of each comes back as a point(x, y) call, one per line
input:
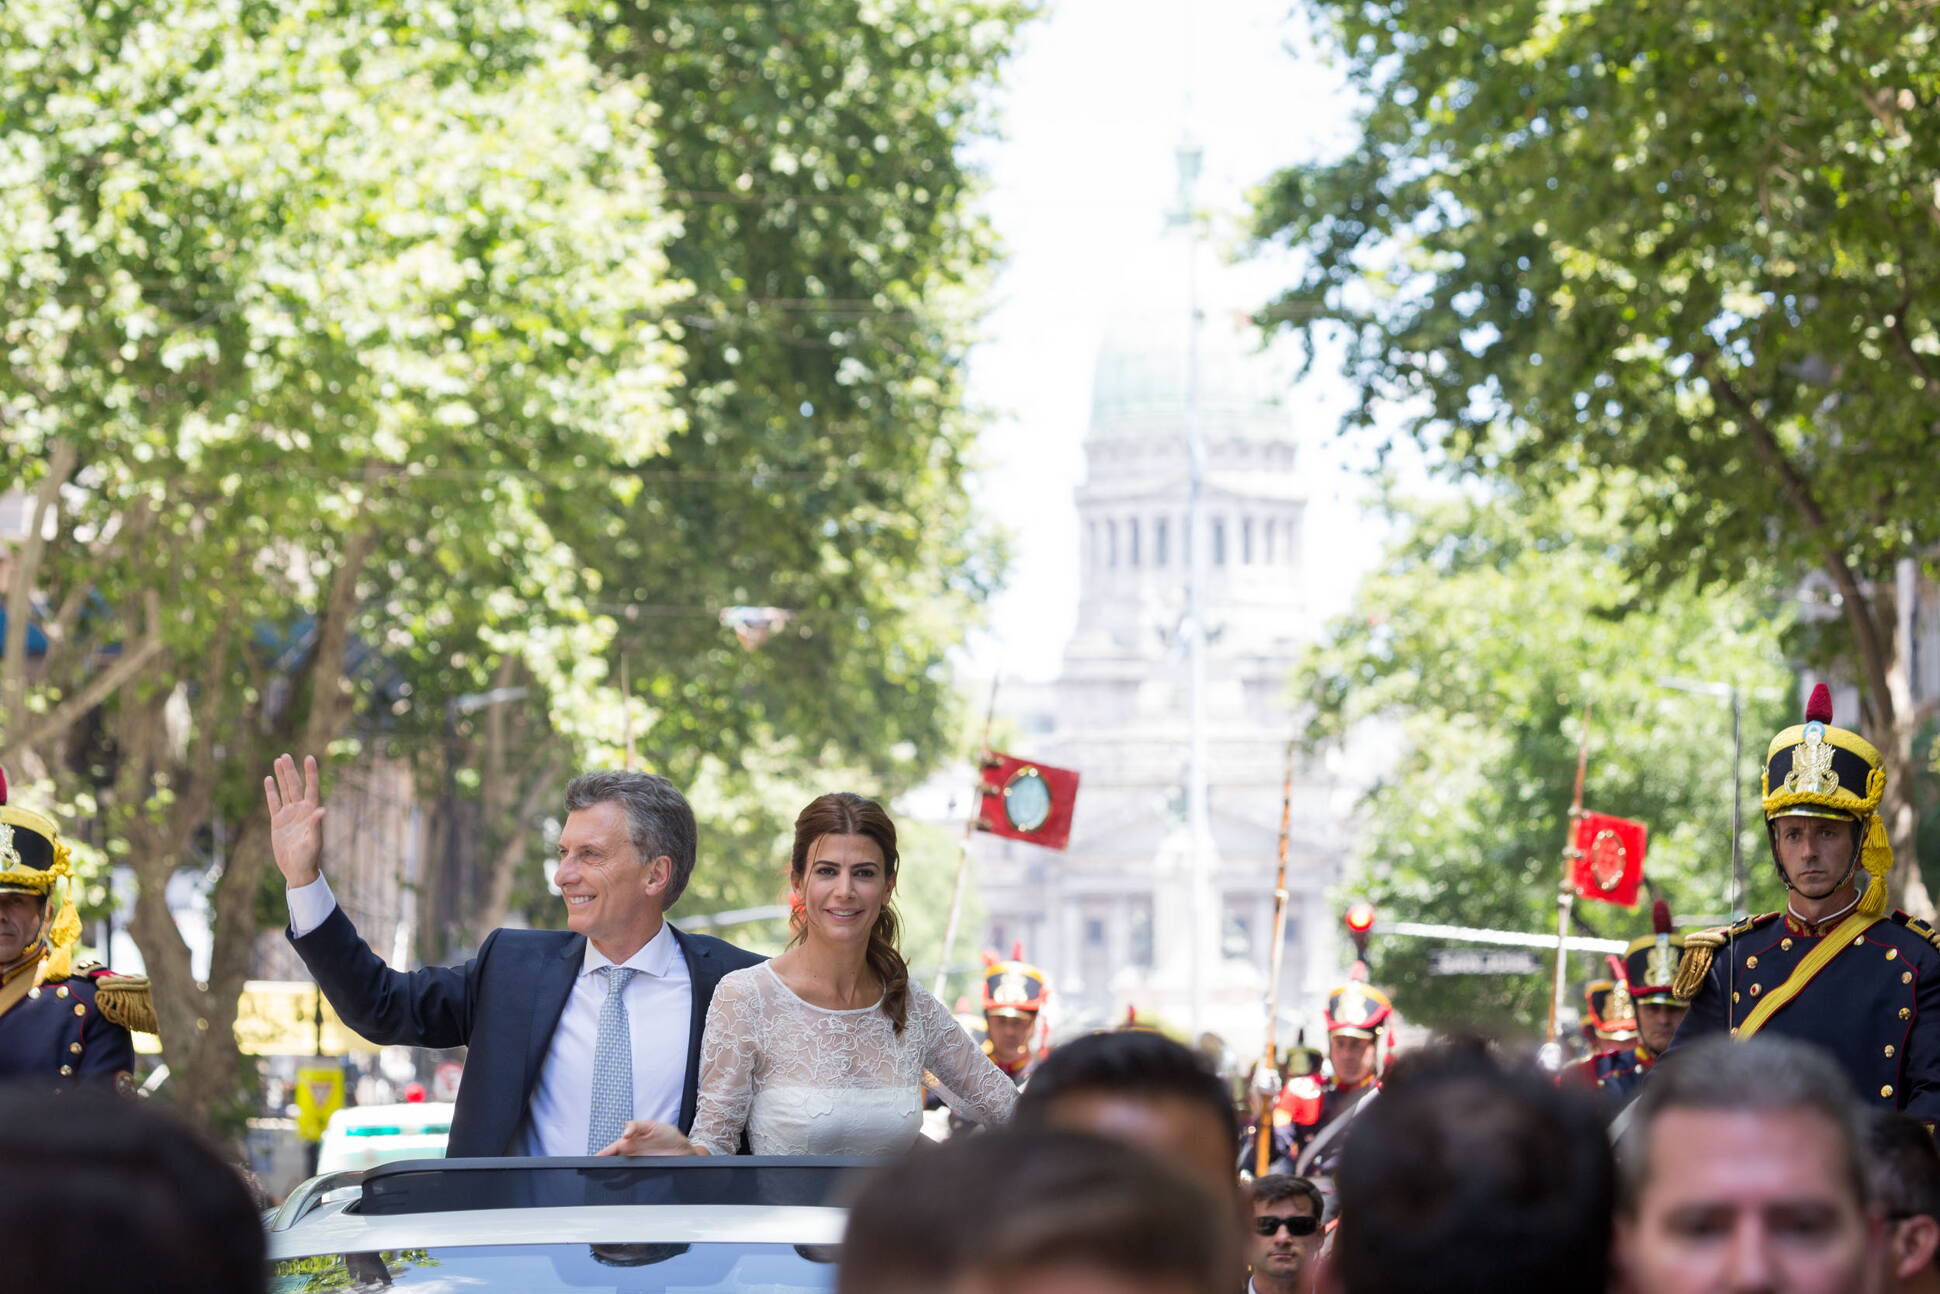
point(1286, 1234)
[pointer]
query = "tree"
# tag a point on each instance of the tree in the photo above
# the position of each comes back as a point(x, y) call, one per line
point(301, 304)
point(813, 151)
point(1694, 245)
point(1482, 636)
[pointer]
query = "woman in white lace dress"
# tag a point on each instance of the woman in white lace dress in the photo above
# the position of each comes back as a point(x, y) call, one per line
point(825, 1049)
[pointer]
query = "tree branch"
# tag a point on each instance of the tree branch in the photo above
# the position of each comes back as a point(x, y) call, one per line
point(20, 589)
point(1873, 653)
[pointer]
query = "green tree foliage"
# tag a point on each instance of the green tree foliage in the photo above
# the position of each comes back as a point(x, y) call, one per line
point(297, 299)
point(1481, 637)
point(376, 393)
point(812, 151)
point(1691, 243)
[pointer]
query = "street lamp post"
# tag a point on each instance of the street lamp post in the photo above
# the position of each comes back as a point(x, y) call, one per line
point(1728, 693)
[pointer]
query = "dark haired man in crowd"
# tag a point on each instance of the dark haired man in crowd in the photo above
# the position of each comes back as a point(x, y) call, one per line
point(1466, 1178)
point(105, 1193)
point(1906, 1186)
point(1743, 1169)
point(1142, 1088)
point(1286, 1234)
point(1075, 1212)
point(619, 996)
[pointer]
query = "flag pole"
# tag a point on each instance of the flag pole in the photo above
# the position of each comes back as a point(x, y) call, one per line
point(1263, 1145)
point(963, 847)
point(1566, 895)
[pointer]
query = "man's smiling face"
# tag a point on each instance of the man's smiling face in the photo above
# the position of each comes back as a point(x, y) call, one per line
point(612, 896)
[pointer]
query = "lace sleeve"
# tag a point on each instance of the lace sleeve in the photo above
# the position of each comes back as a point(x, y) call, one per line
point(971, 1085)
point(730, 1046)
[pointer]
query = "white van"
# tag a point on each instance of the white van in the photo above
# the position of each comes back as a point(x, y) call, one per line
point(363, 1136)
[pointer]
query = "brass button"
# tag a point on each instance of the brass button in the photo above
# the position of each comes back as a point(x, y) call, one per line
point(74, 1047)
point(1751, 963)
point(33, 992)
point(1857, 940)
point(1891, 953)
point(1906, 1013)
point(79, 1009)
point(1786, 944)
point(61, 991)
point(1755, 990)
point(1906, 977)
point(67, 1071)
point(1886, 1089)
point(1735, 996)
point(1889, 1049)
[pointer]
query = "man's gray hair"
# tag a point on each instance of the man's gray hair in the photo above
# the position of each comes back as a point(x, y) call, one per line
point(659, 820)
point(1762, 1075)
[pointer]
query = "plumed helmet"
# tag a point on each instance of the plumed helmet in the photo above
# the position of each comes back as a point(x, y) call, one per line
point(1357, 1010)
point(1815, 770)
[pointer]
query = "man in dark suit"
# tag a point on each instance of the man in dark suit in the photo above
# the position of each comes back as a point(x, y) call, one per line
point(572, 1033)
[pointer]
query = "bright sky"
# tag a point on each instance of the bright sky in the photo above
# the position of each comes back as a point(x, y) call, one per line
point(1091, 113)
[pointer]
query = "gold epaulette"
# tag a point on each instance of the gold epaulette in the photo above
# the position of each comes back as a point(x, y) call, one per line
point(126, 1000)
point(1924, 930)
point(1699, 948)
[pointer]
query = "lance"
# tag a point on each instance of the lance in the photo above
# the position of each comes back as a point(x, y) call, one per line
point(1263, 1148)
point(1566, 896)
point(963, 847)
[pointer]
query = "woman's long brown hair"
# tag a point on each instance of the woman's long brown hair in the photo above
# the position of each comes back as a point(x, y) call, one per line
point(844, 813)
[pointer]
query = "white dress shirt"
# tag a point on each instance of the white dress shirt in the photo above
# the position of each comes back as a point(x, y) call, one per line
point(659, 1008)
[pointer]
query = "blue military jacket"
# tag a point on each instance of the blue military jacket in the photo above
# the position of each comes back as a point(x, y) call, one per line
point(1875, 1007)
point(58, 1034)
point(1617, 1076)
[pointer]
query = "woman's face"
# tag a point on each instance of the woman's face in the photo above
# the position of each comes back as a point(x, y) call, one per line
point(843, 888)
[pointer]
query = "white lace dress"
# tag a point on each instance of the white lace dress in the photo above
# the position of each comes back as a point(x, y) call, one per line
point(805, 1080)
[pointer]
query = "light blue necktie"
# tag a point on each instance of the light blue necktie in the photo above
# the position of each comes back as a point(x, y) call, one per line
point(612, 1065)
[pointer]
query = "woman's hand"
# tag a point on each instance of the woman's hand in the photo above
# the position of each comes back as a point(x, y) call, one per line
point(649, 1138)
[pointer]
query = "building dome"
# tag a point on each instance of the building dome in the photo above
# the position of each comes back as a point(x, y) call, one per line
point(1139, 381)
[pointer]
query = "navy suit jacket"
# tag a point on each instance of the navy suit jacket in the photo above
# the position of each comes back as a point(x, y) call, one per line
point(503, 1004)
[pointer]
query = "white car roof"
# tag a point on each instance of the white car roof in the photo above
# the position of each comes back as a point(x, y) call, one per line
point(332, 1230)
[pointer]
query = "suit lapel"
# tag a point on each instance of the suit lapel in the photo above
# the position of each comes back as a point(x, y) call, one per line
point(703, 973)
point(550, 988)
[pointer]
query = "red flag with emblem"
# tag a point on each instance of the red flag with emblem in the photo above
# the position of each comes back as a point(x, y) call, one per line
point(1607, 863)
point(1025, 800)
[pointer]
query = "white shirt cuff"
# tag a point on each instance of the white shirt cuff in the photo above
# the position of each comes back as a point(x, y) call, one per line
point(310, 906)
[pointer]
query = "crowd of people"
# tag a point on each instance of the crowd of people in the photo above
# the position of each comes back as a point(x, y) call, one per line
point(1759, 1117)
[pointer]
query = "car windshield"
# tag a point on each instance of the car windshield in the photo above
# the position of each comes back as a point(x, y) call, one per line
point(556, 1268)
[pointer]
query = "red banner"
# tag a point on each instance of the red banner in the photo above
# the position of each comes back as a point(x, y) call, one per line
point(1026, 801)
point(1608, 862)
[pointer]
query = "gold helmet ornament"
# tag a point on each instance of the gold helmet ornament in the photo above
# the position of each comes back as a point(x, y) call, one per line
point(1650, 963)
point(33, 859)
point(1815, 770)
point(1014, 987)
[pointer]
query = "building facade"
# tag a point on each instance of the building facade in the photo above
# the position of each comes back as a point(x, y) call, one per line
point(1133, 917)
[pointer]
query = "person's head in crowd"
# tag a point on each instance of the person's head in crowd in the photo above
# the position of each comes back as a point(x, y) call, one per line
point(108, 1194)
point(1465, 1176)
point(1286, 1233)
point(1139, 1087)
point(1742, 1168)
point(1905, 1170)
point(1038, 1212)
point(626, 853)
point(1356, 1016)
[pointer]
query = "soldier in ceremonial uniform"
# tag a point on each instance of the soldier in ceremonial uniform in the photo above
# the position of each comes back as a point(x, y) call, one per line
point(1835, 968)
point(1306, 1138)
point(59, 1023)
point(1650, 966)
point(1609, 1017)
point(1013, 993)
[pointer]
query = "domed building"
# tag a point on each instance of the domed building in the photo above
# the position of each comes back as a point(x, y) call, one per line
point(1122, 917)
